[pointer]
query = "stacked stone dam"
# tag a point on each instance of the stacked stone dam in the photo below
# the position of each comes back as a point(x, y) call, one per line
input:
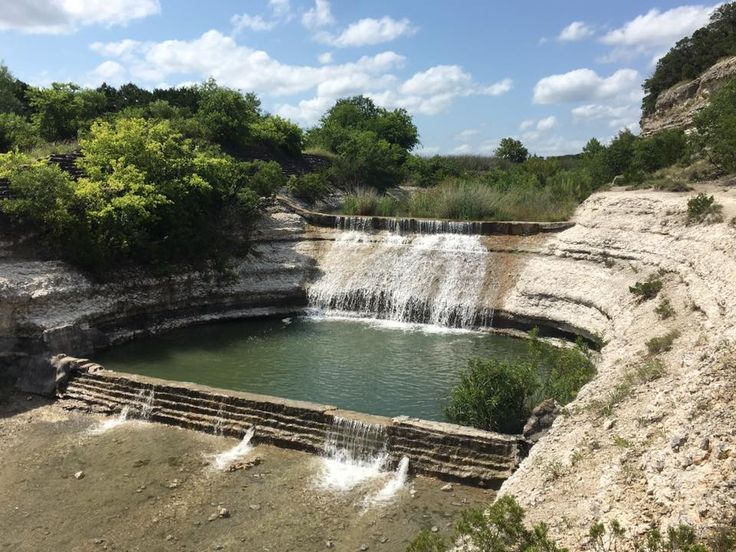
point(441, 450)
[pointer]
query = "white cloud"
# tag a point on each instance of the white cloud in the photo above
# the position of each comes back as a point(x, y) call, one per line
point(280, 8)
point(368, 32)
point(325, 58)
point(655, 31)
point(65, 16)
point(575, 31)
point(467, 134)
point(499, 88)
point(110, 72)
point(582, 85)
point(547, 123)
point(252, 22)
point(527, 124)
point(319, 16)
point(462, 149)
point(616, 116)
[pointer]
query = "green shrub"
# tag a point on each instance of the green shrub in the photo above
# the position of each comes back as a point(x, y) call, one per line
point(426, 541)
point(309, 187)
point(703, 208)
point(225, 115)
point(660, 150)
point(266, 177)
point(511, 150)
point(61, 110)
point(663, 343)
point(279, 133)
point(16, 133)
point(716, 128)
point(499, 396)
point(364, 159)
point(493, 395)
point(670, 185)
point(664, 309)
point(648, 289)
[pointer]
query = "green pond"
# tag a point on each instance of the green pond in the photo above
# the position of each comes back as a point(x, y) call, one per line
point(373, 367)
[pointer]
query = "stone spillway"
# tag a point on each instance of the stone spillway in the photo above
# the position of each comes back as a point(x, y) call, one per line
point(445, 451)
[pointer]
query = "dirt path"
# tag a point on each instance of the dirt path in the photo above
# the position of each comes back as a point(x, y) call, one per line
point(150, 487)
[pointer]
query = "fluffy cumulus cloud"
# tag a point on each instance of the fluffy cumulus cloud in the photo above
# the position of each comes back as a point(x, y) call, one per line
point(575, 31)
point(65, 16)
point(319, 16)
point(584, 85)
point(655, 31)
point(616, 116)
point(251, 22)
point(369, 32)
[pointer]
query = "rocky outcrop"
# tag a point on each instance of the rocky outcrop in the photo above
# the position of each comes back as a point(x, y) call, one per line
point(676, 106)
point(644, 443)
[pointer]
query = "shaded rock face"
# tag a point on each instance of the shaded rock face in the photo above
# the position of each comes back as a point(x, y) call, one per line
point(677, 106)
point(541, 420)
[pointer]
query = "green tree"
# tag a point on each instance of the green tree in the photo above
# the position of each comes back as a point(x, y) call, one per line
point(61, 110)
point(16, 132)
point(12, 92)
point(278, 133)
point(716, 128)
point(226, 114)
point(512, 150)
point(619, 156)
point(364, 159)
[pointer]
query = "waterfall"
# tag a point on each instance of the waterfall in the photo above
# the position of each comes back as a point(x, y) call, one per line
point(406, 225)
point(143, 405)
point(393, 485)
point(225, 459)
point(355, 452)
point(111, 423)
point(140, 409)
point(440, 279)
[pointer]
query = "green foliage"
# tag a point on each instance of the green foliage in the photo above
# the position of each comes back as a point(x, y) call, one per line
point(500, 528)
point(619, 155)
point(309, 187)
point(426, 541)
point(664, 310)
point(226, 115)
point(16, 133)
point(663, 343)
point(606, 539)
point(364, 159)
point(648, 289)
point(278, 133)
point(499, 395)
point(511, 150)
point(693, 55)
point(661, 150)
point(678, 539)
point(43, 195)
point(266, 177)
point(12, 92)
point(716, 128)
point(703, 208)
point(61, 110)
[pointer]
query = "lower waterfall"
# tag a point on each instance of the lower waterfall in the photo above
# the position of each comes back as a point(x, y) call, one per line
point(439, 279)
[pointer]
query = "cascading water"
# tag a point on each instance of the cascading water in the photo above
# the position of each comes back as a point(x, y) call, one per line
point(227, 458)
point(355, 452)
point(111, 423)
point(140, 409)
point(393, 485)
point(439, 279)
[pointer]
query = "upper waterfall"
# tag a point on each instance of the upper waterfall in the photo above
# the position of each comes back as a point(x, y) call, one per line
point(439, 279)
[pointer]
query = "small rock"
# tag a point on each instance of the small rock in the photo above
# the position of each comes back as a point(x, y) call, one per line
point(435, 529)
point(363, 547)
point(676, 441)
point(213, 517)
point(329, 544)
point(223, 513)
point(413, 493)
point(169, 537)
point(383, 540)
point(79, 475)
point(687, 461)
point(609, 424)
point(705, 444)
point(446, 488)
point(659, 464)
point(255, 506)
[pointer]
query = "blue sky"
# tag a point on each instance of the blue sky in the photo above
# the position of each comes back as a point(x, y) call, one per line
point(552, 73)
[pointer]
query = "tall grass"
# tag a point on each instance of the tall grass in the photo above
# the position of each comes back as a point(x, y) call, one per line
point(477, 199)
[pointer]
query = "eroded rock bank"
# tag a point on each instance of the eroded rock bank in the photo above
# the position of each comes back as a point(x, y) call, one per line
point(644, 443)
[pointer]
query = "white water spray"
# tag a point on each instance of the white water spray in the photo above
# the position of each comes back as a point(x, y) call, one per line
point(355, 452)
point(227, 458)
point(439, 279)
point(111, 423)
point(393, 485)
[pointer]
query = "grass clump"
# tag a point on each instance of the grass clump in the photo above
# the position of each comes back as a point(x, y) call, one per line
point(663, 343)
point(648, 289)
point(500, 395)
point(664, 310)
point(703, 209)
point(649, 371)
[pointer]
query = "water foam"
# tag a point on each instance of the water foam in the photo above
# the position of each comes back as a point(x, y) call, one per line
point(227, 458)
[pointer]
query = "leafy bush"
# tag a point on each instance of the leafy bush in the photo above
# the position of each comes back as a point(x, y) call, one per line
point(703, 208)
point(279, 133)
point(309, 187)
point(12, 92)
point(512, 150)
point(60, 111)
point(661, 344)
point(664, 309)
point(226, 115)
point(266, 177)
point(716, 127)
point(364, 159)
point(660, 150)
point(16, 133)
point(648, 289)
point(499, 396)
